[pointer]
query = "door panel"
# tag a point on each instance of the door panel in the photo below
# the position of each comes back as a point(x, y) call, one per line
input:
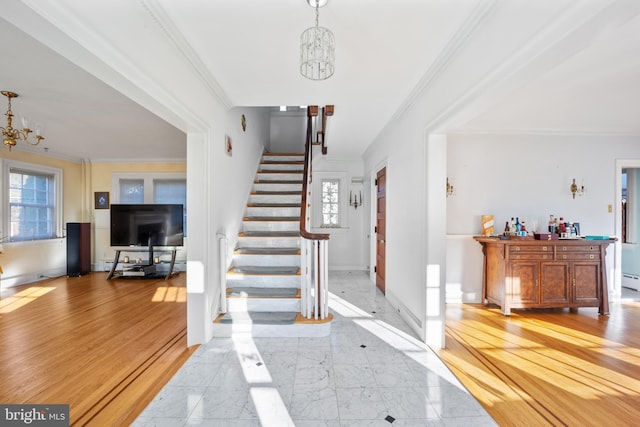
point(381, 217)
point(554, 281)
point(524, 283)
point(586, 281)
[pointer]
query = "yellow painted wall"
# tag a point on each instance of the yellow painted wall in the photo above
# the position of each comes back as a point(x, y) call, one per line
point(24, 262)
point(101, 180)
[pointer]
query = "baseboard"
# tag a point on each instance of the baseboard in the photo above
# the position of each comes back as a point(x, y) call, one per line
point(24, 279)
point(631, 281)
point(412, 320)
point(348, 268)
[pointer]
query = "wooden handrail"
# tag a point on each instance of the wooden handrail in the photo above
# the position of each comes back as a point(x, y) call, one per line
point(327, 110)
point(312, 111)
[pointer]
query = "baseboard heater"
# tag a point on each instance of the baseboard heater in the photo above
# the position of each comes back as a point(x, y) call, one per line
point(631, 281)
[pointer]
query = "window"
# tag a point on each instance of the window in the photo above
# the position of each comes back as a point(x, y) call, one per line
point(131, 191)
point(133, 188)
point(330, 203)
point(33, 201)
point(330, 200)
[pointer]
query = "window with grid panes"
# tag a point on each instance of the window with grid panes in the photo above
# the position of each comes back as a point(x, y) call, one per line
point(32, 207)
point(152, 188)
point(330, 203)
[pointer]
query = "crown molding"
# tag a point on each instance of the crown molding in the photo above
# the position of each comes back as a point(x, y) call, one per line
point(174, 35)
point(112, 66)
point(545, 132)
point(475, 19)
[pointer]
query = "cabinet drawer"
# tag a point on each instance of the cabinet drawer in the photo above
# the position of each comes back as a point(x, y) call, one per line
point(579, 256)
point(541, 249)
point(531, 256)
point(582, 248)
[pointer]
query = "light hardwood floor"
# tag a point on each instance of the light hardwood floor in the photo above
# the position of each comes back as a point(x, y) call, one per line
point(108, 347)
point(103, 347)
point(549, 367)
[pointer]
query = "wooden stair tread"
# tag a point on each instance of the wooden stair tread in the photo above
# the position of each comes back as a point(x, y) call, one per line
point(282, 162)
point(269, 234)
point(273, 205)
point(276, 181)
point(267, 251)
point(299, 319)
point(249, 270)
point(276, 193)
point(254, 292)
point(271, 218)
point(260, 317)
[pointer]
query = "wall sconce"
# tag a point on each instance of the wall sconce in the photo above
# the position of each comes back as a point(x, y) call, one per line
point(576, 190)
point(450, 190)
point(355, 201)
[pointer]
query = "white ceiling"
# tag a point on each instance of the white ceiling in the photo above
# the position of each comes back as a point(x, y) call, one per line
point(545, 66)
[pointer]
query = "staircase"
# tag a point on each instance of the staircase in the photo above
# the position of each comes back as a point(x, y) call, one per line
point(263, 282)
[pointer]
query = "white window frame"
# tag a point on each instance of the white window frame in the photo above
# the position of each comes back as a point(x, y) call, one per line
point(343, 196)
point(147, 177)
point(7, 165)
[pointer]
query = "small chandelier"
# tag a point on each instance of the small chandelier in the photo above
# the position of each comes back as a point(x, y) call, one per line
point(317, 49)
point(11, 135)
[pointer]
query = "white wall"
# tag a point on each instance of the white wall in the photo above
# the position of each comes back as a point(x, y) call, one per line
point(288, 131)
point(402, 149)
point(528, 177)
point(348, 245)
point(218, 185)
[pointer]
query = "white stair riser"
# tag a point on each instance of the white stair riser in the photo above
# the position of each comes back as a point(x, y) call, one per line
point(269, 242)
point(275, 198)
point(279, 176)
point(271, 225)
point(244, 260)
point(275, 331)
point(269, 211)
point(271, 186)
point(293, 158)
point(255, 281)
point(263, 304)
point(281, 166)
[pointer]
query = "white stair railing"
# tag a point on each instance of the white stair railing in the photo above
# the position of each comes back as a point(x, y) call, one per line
point(314, 265)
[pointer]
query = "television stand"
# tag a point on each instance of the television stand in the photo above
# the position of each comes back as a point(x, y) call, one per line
point(142, 271)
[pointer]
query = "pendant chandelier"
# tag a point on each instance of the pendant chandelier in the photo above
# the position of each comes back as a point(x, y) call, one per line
point(11, 135)
point(317, 49)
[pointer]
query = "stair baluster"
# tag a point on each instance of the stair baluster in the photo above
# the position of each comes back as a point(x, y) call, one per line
point(314, 261)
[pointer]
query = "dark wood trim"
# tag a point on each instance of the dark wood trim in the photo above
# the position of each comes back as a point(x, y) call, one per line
point(312, 111)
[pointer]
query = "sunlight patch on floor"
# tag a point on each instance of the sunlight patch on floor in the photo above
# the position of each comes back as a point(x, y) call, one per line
point(22, 298)
point(170, 294)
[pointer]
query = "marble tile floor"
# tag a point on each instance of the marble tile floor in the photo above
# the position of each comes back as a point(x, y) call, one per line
point(371, 371)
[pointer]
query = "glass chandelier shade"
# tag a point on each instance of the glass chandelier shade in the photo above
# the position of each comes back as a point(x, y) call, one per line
point(317, 52)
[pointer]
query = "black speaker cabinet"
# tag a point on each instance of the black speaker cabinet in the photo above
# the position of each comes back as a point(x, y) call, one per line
point(78, 248)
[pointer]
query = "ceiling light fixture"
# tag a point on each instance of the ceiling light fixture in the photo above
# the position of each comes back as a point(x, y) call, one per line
point(317, 49)
point(11, 135)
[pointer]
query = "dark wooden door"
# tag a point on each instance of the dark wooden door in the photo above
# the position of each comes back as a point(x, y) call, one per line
point(381, 216)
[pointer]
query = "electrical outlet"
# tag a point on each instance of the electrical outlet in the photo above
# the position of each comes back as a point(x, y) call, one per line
point(609, 208)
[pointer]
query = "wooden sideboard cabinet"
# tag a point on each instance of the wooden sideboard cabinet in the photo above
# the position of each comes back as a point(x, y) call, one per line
point(544, 273)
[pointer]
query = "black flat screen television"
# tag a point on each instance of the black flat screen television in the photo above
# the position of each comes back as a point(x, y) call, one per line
point(147, 225)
